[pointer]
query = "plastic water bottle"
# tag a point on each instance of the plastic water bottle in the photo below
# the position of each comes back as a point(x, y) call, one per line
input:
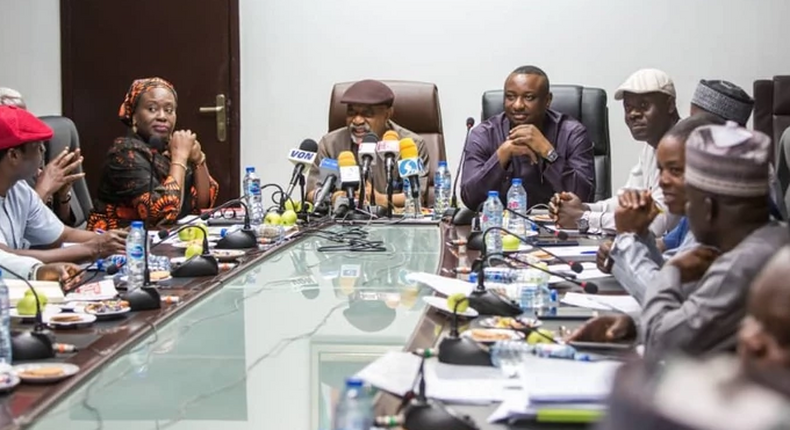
point(355, 409)
point(442, 184)
point(252, 194)
point(5, 323)
point(135, 255)
point(517, 202)
point(492, 217)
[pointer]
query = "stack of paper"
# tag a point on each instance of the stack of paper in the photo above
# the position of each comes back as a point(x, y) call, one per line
point(625, 304)
point(590, 272)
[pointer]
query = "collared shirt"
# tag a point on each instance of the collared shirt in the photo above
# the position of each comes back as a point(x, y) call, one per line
point(572, 171)
point(643, 176)
point(636, 261)
point(26, 221)
point(335, 142)
point(677, 236)
point(705, 317)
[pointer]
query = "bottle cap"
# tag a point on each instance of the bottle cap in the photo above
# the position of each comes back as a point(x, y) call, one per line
point(516, 181)
point(354, 383)
point(493, 194)
point(442, 164)
point(250, 169)
point(137, 224)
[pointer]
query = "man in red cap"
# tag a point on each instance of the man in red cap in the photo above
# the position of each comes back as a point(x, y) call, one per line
point(26, 222)
point(368, 110)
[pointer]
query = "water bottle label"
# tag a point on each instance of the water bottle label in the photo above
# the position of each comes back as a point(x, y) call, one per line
point(136, 252)
point(254, 188)
point(513, 205)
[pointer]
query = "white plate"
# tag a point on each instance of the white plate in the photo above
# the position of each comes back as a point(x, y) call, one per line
point(441, 304)
point(227, 255)
point(67, 368)
point(490, 322)
point(85, 319)
point(12, 382)
point(510, 334)
point(104, 315)
point(48, 310)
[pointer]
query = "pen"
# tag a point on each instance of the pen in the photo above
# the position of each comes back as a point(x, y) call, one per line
point(99, 231)
point(588, 252)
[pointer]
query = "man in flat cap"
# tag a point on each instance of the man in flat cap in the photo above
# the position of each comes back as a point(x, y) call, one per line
point(648, 98)
point(26, 222)
point(549, 151)
point(368, 110)
point(727, 185)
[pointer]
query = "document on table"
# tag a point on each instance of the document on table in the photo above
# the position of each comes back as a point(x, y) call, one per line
point(442, 285)
point(625, 304)
point(548, 380)
point(590, 272)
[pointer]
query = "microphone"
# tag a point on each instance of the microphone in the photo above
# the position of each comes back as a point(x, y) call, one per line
point(367, 156)
point(114, 268)
point(470, 122)
point(239, 239)
point(349, 175)
point(341, 207)
point(303, 158)
point(574, 265)
point(329, 171)
point(204, 264)
point(389, 149)
point(410, 168)
point(485, 301)
point(559, 234)
point(587, 287)
point(35, 344)
point(421, 413)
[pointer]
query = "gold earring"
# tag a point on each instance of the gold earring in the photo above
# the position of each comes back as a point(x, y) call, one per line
point(134, 127)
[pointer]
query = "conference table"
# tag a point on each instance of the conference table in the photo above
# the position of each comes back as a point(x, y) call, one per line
point(265, 345)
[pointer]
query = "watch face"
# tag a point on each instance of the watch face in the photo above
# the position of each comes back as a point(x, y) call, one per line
point(552, 156)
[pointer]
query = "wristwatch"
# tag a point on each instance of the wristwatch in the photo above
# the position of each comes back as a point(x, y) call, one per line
point(583, 224)
point(552, 156)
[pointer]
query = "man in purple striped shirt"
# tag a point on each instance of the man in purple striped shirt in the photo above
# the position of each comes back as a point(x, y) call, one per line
point(548, 150)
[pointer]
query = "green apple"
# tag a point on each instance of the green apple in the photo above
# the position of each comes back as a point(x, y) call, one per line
point(272, 218)
point(27, 305)
point(297, 206)
point(193, 233)
point(288, 218)
point(534, 338)
point(460, 300)
point(510, 242)
point(193, 250)
point(41, 296)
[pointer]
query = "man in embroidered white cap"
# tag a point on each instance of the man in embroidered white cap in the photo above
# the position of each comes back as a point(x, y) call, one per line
point(699, 298)
point(650, 111)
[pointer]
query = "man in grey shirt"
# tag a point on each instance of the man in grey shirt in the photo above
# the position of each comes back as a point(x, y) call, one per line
point(635, 258)
point(25, 221)
point(699, 298)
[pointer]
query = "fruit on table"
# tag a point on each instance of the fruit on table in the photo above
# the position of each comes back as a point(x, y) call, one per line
point(288, 218)
point(296, 206)
point(27, 304)
point(458, 303)
point(193, 233)
point(510, 242)
point(193, 250)
point(534, 338)
point(272, 218)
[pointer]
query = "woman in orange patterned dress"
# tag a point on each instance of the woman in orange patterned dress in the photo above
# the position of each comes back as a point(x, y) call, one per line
point(181, 180)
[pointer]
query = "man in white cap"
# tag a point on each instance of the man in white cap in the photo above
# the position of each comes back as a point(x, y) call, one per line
point(650, 111)
point(699, 297)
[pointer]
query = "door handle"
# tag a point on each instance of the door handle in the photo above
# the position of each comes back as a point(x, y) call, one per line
point(221, 113)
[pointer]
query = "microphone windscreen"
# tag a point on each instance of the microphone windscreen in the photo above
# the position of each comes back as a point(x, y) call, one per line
point(370, 138)
point(163, 234)
point(561, 235)
point(470, 122)
point(309, 145)
point(577, 267)
point(590, 288)
point(408, 149)
point(346, 158)
point(112, 269)
point(391, 135)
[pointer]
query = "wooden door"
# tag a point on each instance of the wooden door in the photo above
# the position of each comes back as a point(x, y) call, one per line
point(194, 44)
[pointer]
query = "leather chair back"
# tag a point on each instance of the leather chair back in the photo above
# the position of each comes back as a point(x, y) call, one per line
point(416, 108)
point(772, 117)
point(65, 136)
point(586, 105)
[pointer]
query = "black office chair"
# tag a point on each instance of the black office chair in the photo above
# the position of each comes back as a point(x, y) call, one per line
point(65, 136)
point(586, 105)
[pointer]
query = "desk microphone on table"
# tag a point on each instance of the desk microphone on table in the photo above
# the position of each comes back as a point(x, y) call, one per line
point(559, 234)
point(587, 287)
point(452, 211)
point(204, 264)
point(35, 344)
point(239, 239)
point(421, 413)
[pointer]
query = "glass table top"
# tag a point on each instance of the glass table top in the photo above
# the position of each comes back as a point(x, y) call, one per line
point(271, 348)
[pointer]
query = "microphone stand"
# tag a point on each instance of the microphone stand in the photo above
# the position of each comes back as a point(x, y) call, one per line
point(453, 209)
point(464, 351)
point(389, 162)
point(239, 239)
point(35, 344)
point(486, 301)
point(303, 210)
point(587, 287)
point(201, 265)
